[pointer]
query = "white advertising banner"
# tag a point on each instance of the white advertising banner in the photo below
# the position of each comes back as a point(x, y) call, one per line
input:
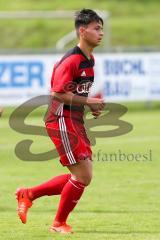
point(23, 77)
point(128, 76)
point(118, 77)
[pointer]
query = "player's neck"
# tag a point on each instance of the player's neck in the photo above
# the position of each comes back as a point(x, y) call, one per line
point(87, 50)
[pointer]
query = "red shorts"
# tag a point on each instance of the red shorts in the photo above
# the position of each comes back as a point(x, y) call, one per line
point(71, 141)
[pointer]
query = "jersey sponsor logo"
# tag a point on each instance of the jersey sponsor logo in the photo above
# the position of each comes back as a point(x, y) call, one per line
point(84, 87)
point(83, 74)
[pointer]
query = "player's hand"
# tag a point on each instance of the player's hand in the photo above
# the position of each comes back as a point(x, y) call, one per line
point(95, 104)
point(96, 114)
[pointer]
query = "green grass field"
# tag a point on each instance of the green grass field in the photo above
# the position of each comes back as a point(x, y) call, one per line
point(122, 202)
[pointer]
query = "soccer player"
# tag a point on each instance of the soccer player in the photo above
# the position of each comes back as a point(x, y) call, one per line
point(71, 81)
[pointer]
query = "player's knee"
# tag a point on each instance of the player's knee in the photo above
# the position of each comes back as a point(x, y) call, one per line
point(86, 179)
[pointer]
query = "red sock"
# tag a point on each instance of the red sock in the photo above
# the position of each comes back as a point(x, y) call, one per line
point(51, 187)
point(70, 195)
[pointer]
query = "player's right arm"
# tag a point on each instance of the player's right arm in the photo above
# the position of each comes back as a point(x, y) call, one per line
point(69, 98)
point(62, 76)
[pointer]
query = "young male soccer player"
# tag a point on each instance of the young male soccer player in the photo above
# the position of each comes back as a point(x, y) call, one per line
point(70, 84)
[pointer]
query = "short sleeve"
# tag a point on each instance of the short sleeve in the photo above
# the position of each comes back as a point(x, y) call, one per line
point(62, 76)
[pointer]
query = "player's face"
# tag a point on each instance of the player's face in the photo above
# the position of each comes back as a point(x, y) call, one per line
point(93, 34)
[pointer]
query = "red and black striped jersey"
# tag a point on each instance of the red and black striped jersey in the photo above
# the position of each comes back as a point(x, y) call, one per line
point(74, 73)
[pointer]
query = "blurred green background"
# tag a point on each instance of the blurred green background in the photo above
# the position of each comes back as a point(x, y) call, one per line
point(133, 23)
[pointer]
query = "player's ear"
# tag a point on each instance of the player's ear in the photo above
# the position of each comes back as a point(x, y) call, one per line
point(81, 31)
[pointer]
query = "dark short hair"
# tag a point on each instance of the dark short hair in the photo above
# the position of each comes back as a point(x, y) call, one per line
point(85, 17)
